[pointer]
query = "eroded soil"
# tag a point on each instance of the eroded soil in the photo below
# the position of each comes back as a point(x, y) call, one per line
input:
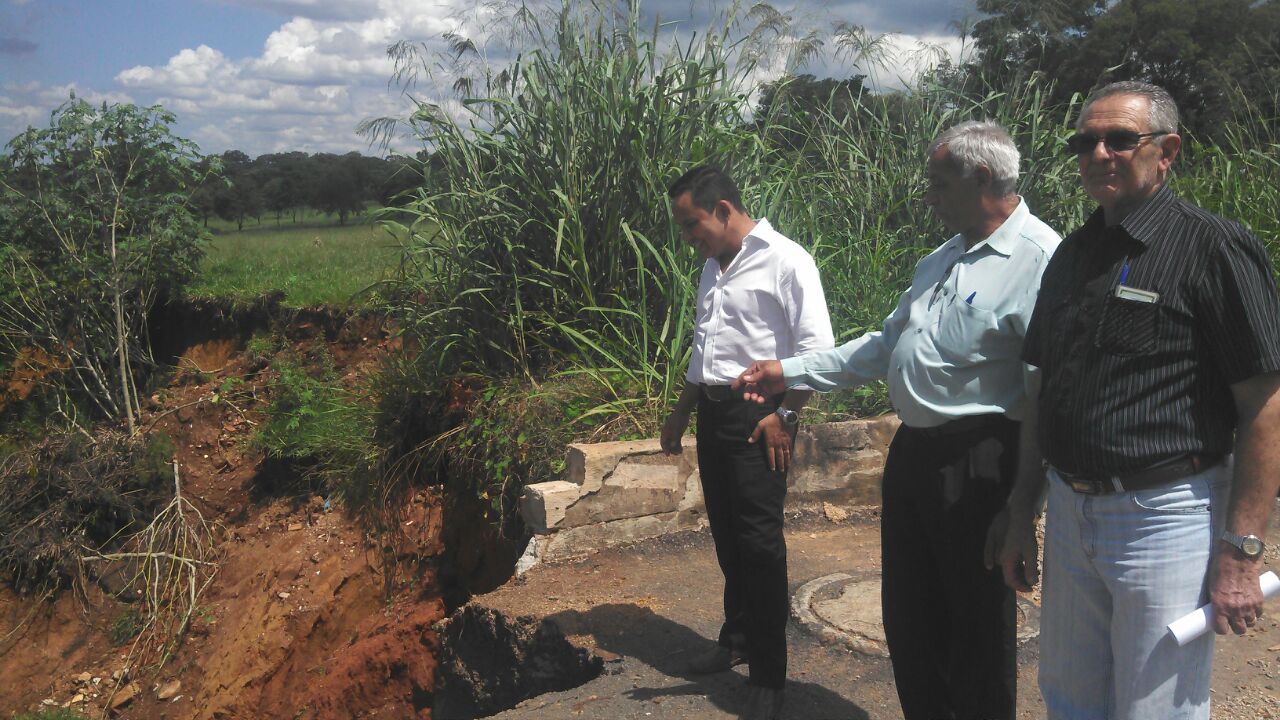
point(295, 623)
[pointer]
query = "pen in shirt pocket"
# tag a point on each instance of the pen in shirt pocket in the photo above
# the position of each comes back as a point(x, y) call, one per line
point(972, 295)
point(1124, 272)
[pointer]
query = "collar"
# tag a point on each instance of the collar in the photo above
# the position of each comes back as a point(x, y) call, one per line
point(1005, 239)
point(760, 237)
point(1145, 222)
point(763, 232)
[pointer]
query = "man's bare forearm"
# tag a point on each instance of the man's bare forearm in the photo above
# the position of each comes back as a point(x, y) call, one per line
point(688, 399)
point(1030, 484)
point(1256, 474)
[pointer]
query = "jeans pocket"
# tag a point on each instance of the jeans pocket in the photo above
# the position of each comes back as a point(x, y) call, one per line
point(1193, 497)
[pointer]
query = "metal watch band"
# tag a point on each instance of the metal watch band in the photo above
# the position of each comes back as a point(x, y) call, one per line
point(788, 417)
point(1251, 545)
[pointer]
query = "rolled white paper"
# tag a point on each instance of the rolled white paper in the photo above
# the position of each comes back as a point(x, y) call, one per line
point(1196, 623)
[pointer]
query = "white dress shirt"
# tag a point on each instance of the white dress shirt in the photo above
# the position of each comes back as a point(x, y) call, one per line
point(953, 345)
point(767, 304)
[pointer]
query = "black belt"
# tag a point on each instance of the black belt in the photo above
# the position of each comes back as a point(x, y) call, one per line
point(968, 423)
point(720, 393)
point(1140, 480)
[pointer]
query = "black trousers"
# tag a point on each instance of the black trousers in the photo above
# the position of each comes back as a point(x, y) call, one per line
point(950, 623)
point(744, 500)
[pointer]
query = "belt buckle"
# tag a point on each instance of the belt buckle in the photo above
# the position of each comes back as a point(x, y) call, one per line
point(1084, 487)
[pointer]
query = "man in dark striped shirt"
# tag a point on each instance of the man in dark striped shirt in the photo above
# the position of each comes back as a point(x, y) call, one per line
point(1157, 339)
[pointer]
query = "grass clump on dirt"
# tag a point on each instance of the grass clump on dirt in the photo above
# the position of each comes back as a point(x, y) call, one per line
point(319, 425)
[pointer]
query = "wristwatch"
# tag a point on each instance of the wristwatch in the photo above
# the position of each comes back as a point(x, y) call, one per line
point(1251, 545)
point(789, 417)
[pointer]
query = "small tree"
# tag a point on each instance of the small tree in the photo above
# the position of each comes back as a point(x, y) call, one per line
point(96, 213)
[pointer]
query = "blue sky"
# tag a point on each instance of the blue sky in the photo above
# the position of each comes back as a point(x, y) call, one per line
point(275, 75)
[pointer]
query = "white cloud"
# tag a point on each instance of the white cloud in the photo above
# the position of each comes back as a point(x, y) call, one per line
point(325, 69)
point(317, 77)
point(908, 55)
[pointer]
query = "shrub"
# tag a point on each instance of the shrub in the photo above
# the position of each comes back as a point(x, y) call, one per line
point(315, 423)
point(94, 212)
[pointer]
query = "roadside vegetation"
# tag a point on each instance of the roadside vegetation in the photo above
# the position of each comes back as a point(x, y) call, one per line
point(541, 260)
point(532, 268)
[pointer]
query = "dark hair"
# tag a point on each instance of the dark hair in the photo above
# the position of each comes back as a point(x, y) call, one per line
point(707, 186)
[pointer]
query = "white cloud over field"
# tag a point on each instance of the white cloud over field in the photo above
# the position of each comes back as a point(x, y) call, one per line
point(325, 68)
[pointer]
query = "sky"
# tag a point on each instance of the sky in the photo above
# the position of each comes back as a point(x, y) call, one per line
point(265, 76)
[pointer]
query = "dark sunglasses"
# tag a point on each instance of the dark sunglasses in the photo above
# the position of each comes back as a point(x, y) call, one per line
point(1115, 140)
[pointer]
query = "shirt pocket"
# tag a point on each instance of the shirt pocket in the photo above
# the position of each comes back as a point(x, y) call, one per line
point(967, 334)
point(1128, 327)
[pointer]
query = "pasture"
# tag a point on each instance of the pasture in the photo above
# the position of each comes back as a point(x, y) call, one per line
point(314, 261)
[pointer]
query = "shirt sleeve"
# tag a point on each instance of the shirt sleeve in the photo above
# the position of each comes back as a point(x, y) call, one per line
point(1238, 307)
point(807, 308)
point(854, 363)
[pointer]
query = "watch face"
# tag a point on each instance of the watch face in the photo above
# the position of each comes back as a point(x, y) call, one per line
point(1251, 546)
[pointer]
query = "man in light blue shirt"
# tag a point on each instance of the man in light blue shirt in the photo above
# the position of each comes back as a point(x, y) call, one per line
point(951, 355)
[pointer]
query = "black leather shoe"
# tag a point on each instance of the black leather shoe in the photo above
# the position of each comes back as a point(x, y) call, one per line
point(762, 703)
point(718, 659)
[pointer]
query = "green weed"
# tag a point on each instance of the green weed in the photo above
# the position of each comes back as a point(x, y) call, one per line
point(316, 422)
point(126, 626)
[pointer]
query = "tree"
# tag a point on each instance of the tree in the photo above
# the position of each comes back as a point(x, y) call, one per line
point(338, 185)
point(242, 197)
point(1198, 50)
point(1213, 56)
point(97, 218)
point(1019, 37)
point(286, 181)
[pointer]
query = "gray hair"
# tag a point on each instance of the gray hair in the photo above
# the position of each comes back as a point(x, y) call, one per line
point(1162, 111)
point(982, 142)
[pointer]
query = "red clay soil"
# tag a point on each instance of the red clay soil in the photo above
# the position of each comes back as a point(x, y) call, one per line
point(294, 624)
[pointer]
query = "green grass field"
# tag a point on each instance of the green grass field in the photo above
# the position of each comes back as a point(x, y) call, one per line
point(314, 261)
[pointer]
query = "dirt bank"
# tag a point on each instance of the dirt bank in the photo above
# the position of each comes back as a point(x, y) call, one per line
point(295, 623)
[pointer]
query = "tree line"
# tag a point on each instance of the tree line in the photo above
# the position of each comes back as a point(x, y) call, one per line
point(1217, 58)
point(285, 184)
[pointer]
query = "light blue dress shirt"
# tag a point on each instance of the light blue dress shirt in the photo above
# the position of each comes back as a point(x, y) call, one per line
point(953, 345)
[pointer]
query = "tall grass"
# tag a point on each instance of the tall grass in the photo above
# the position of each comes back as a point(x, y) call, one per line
point(548, 244)
point(540, 250)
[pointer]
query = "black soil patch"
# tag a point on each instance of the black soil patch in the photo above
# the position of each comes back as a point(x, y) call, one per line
point(490, 663)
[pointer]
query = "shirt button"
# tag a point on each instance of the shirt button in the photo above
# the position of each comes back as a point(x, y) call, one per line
point(919, 330)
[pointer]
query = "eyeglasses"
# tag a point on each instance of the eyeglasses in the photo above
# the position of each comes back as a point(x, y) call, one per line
point(1115, 140)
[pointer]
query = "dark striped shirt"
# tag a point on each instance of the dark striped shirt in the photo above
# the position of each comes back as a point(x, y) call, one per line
point(1127, 383)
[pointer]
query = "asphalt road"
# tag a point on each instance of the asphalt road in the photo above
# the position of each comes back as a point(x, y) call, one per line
point(648, 607)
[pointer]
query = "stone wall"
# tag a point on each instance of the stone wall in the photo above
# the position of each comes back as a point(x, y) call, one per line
point(619, 492)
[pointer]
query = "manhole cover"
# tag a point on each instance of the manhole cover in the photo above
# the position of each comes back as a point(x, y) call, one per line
point(846, 608)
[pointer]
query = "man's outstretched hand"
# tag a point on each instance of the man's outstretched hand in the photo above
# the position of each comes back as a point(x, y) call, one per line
point(761, 380)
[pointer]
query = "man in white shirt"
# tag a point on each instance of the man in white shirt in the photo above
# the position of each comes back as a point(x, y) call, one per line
point(759, 295)
point(951, 354)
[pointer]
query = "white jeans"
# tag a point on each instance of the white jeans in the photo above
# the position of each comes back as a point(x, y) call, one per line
point(1118, 569)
